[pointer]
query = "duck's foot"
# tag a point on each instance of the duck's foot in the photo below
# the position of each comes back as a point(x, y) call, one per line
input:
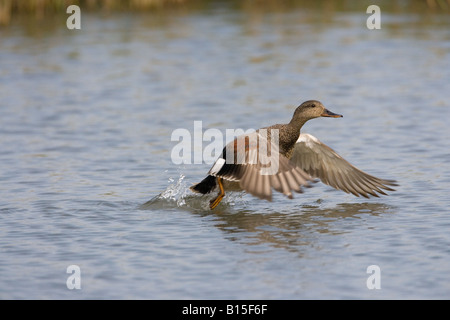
point(215, 202)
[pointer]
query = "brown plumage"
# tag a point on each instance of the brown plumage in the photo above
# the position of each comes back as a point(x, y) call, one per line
point(279, 158)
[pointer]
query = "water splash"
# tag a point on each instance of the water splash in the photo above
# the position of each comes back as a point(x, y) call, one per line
point(175, 192)
point(173, 196)
point(178, 195)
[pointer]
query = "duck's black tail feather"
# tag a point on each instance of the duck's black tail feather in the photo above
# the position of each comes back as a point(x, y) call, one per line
point(205, 186)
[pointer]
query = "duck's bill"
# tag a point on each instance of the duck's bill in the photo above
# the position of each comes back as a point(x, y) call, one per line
point(328, 113)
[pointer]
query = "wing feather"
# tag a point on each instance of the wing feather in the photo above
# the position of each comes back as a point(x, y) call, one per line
point(320, 161)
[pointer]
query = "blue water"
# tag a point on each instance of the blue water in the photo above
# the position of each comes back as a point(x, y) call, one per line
point(87, 179)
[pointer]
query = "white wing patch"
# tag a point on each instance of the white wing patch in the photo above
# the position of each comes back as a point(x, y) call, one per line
point(308, 139)
point(217, 166)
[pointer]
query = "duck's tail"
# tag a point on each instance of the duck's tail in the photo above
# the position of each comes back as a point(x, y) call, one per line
point(205, 186)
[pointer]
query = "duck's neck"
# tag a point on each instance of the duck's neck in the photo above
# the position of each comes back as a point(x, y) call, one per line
point(296, 124)
point(290, 134)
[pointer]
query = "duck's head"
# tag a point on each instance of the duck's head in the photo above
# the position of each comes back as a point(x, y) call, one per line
point(312, 109)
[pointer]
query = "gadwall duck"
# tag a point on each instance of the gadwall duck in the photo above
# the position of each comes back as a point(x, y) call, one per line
point(281, 158)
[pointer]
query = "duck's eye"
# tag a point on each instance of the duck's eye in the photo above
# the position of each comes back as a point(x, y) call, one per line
point(313, 105)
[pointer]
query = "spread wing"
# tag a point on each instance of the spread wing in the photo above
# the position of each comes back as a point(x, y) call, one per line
point(322, 162)
point(255, 162)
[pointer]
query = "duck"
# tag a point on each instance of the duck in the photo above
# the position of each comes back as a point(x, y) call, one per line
point(281, 158)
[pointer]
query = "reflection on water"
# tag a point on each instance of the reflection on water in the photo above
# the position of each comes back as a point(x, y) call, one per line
point(291, 231)
point(288, 230)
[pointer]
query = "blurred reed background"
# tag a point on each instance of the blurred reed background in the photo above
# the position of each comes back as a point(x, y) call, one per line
point(44, 8)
